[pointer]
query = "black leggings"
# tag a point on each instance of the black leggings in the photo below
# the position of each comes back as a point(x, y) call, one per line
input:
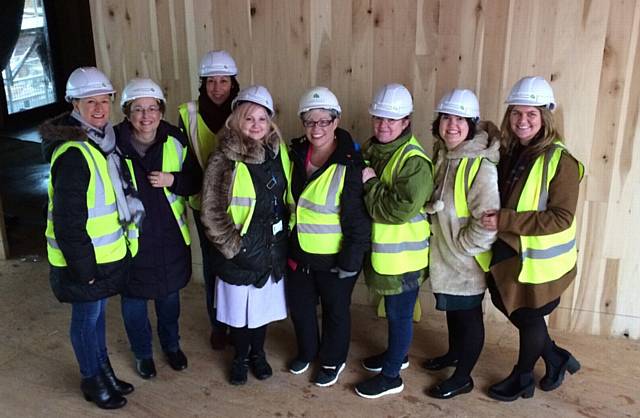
point(534, 336)
point(466, 338)
point(248, 341)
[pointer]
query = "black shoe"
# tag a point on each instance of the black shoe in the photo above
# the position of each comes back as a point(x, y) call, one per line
point(439, 363)
point(448, 389)
point(328, 375)
point(259, 366)
point(518, 384)
point(379, 385)
point(119, 386)
point(176, 359)
point(555, 375)
point(239, 369)
point(374, 363)
point(298, 366)
point(146, 368)
point(96, 390)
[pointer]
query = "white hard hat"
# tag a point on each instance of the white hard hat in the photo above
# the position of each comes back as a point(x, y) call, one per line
point(532, 91)
point(255, 94)
point(217, 63)
point(318, 98)
point(141, 87)
point(86, 82)
point(459, 102)
point(392, 101)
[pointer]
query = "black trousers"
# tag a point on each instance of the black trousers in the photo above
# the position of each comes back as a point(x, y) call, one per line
point(535, 341)
point(305, 287)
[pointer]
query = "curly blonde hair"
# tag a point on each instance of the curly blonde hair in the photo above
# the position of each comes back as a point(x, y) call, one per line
point(241, 112)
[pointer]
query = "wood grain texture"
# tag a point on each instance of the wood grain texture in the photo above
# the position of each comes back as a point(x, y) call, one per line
point(587, 49)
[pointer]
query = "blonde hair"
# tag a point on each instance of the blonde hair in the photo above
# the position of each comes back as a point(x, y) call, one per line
point(240, 113)
point(549, 132)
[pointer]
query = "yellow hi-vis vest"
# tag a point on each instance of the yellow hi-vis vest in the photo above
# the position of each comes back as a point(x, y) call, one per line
point(243, 194)
point(173, 156)
point(317, 213)
point(545, 257)
point(399, 249)
point(465, 174)
point(202, 140)
point(103, 226)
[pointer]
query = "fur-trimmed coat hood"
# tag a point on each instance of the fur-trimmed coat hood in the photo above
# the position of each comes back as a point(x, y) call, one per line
point(57, 130)
point(452, 266)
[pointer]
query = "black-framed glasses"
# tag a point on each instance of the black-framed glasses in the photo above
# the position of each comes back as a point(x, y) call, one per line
point(323, 123)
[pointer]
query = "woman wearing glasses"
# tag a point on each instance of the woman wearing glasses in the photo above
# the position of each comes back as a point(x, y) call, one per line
point(329, 237)
point(397, 186)
point(163, 173)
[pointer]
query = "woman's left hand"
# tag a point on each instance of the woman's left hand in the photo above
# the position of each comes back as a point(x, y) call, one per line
point(368, 173)
point(160, 179)
point(490, 220)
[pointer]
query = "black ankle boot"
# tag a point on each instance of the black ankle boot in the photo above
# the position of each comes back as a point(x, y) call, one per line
point(239, 370)
point(119, 386)
point(259, 366)
point(518, 384)
point(96, 390)
point(555, 374)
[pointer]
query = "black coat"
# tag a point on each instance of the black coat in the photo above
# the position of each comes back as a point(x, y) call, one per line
point(354, 219)
point(163, 262)
point(249, 259)
point(70, 180)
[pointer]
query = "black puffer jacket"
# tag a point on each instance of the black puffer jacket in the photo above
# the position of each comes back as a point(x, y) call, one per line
point(70, 180)
point(163, 262)
point(248, 259)
point(354, 220)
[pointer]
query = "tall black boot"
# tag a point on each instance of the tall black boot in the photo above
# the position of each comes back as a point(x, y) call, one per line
point(119, 386)
point(518, 384)
point(555, 372)
point(96, 390)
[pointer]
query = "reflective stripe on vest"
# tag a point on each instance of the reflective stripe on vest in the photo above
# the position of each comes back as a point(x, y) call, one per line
point(465, 175)
point(103, 226)
point(545, 257)
point(203, 141)
point(133, 234)
point(173, 156)
point(399, 249)
point(317, 214)
point(243, 194)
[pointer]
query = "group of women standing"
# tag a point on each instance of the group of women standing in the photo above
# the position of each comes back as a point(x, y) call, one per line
point(290, 228)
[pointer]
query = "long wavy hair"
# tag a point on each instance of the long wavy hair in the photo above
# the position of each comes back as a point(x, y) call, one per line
point(549, 132)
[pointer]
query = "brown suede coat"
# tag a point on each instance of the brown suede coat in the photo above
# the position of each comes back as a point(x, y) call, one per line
point(561, 208)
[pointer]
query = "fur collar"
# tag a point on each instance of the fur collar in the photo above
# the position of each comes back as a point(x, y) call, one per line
point(57, 130)
point(238, 147)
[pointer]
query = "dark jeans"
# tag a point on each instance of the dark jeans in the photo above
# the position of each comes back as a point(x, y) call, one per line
point(399, 310)
point(87, 332)
point(136, 323)
point(304, 287)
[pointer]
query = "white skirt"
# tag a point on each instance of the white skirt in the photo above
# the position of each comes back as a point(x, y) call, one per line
point(240, 306)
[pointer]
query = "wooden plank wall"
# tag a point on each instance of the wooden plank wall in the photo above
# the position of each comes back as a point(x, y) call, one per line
point(588, 49)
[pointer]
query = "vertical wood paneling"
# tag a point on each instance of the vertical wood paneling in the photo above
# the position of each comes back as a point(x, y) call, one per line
point(588, 49)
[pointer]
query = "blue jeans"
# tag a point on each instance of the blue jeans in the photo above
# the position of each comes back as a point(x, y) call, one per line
point(399, 309)
point(136, 323)
point(87, 332)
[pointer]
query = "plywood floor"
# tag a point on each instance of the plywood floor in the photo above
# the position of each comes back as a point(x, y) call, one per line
point(39, 376)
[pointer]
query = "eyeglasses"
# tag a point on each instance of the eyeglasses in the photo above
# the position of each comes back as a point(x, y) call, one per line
point(323, 123)
point(378, 120)
point(141, 110)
